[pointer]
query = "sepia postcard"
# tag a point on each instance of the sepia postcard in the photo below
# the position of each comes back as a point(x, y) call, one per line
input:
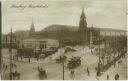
point(63, 39)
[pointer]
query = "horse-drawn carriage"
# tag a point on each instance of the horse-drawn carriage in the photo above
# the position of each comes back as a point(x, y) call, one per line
point(42, 73)
point(74, 62)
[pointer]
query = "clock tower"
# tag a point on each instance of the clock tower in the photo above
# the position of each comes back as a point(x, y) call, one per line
point(83, 29)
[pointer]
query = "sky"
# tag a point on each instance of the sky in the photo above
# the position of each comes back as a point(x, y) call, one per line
point(100, 13)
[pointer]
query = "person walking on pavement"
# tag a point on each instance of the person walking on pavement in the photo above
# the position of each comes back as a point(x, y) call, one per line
point(117, 76)
point(72, 74)
point(29, 59)
point(37, 57)
point(114, 64)
point(88, 71)
point(107, 77)
point(91, 51)
point(18, 76)
point(6, 66)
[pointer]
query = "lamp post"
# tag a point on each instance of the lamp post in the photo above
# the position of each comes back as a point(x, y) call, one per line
point(63, 77)
point(99, 63)
point(99, 45)
point(105, 49)
point(36, 47)
point(10, 50)
point(115, 45)
point(61, 45)
point(63, 67)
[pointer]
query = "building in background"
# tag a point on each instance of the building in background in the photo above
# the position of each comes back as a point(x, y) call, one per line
point(40, 44)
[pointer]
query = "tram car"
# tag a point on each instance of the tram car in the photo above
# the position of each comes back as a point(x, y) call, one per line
point(74, 62)
point(37, 47)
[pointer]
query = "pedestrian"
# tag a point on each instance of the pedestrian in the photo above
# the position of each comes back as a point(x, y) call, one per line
point(6, 66)
point(29, 59)
point(72, 74)
point(114, 64)
point(107, 77)
point(37, 56)
point(91, 51)
point(21, 58)
point(88, 71)
point(18, 76)
point(16, 57)
point(117, 76)
point(95, 68)
point(98, 72)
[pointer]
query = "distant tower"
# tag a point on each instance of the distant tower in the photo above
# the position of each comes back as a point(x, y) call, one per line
point(32, 30)
point(83, 29)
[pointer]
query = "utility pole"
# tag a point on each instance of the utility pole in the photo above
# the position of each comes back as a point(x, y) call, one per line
point(62, 64)
point(105, 49)
point(99, 45)
point(63, 67)
point(120, 38)
point(99, 64)
point(35, 50)
point(10, 50)
point(91, 39)
point(61, 45)
point(110, 42)
point(115, 43)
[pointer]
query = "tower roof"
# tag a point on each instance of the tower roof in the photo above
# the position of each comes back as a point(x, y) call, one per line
point(83, 14)
point(32, 29)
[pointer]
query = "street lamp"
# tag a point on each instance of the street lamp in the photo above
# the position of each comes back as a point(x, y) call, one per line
point(36, 47)
point(63, 77)
point(10, 50)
